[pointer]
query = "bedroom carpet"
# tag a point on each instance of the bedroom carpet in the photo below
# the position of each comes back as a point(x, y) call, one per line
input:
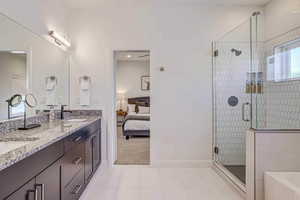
point(135, 151)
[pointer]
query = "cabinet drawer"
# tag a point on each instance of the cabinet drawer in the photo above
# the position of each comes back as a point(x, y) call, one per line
point(73, 162)
point(81, 135)
point(75, 139)
point(75, 188)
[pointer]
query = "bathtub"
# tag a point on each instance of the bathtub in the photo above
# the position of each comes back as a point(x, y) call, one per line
point(282, 185)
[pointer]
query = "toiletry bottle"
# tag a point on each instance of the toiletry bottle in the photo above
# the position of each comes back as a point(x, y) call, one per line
point(248, 83)
point(51, 113)
point(259, 83)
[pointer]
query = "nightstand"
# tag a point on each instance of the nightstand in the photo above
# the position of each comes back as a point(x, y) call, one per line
point(121, 117)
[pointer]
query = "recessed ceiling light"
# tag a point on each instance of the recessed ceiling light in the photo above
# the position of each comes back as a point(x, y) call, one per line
point(129, 56)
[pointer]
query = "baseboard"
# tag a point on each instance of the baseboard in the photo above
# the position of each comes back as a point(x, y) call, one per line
point(182, 163)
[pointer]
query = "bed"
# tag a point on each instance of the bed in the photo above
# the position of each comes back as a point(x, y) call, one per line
point(137, 123)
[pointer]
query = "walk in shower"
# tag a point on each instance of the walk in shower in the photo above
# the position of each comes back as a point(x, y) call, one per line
point(233, 75)
point(256, 84)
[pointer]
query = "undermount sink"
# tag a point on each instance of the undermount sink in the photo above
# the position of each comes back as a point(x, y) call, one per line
point(9, 146)
point(282, 185)
point(18, 139)
point(76, 120)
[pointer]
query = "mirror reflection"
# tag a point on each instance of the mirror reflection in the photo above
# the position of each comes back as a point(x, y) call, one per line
point(31, 101)
point(13, 81)
point(30, 64)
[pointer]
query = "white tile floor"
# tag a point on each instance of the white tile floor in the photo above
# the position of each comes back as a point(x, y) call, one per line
point(147, 183)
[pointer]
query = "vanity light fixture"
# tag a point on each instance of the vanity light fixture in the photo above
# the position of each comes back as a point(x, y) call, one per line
point(17, 52)
point(129, 56)
point(59, 39)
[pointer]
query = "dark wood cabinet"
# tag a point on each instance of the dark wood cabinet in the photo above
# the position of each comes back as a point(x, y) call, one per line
point(16, 175)
point(72, 163)
point(58, 172)
point(75, 188)
point(26, 192)
point(47, 183)
point(88, 167)
point(96, 150)
point(92, 154)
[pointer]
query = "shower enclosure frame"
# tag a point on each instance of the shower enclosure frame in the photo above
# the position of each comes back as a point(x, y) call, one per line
point(218, 166)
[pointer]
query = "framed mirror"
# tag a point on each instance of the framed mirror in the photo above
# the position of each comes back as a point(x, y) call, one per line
point(31, 101)
point(30, 64)
point(15, 100)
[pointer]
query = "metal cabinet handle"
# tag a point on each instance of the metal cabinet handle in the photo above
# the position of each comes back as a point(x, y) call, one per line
point(77, 189)
point(77, 160)
point(42, 186)
point(243, 112)
point(93, 136)
point(34, 193)
point(91, 139)
point(78, 139)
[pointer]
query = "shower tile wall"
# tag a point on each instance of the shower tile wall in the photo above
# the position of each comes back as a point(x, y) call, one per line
point(230, 79)
point(281, 100)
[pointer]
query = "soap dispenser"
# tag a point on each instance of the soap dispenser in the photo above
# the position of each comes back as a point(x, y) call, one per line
point(51, 113)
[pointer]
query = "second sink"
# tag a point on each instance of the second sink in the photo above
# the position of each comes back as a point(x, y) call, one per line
point(18, 139)
point(76, 120)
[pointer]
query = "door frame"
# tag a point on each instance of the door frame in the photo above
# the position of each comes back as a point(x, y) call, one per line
point(114, 137)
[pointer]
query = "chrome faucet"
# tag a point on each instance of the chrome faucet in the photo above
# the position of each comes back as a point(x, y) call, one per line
point(62, 111)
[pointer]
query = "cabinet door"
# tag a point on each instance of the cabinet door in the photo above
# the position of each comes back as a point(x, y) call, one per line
point(48, 183)
point(96, 150)
point(88, 165)
point(72, 163)
point(27, 192)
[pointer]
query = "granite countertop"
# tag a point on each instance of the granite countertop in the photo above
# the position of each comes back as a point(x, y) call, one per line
point(18, 145)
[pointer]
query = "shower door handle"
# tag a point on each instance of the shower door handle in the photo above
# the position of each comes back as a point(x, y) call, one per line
point(243, 112)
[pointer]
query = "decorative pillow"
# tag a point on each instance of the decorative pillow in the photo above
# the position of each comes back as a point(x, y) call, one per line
point(144, 110)
point(131, 108)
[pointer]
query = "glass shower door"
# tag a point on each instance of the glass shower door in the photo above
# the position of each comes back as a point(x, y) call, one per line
point(233, 83)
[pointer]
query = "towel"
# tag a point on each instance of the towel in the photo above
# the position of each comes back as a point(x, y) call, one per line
point(85, 97)
point(85, 84)
point(51, 83)
point(51, 97)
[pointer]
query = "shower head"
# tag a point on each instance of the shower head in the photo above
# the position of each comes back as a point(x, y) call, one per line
point(236, 52)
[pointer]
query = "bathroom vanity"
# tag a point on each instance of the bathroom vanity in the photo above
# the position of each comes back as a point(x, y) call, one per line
point(53, 162)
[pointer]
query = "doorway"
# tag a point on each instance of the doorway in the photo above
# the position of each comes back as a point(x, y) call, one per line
point(132, 103)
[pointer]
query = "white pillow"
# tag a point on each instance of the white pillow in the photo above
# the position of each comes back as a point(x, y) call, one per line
point(131, 108)
point(144, 110)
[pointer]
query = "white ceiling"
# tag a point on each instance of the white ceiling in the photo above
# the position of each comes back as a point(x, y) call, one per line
point(88, 3)
point(133, 55)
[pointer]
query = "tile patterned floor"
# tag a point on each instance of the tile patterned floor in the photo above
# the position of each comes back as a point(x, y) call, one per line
point(147, 183)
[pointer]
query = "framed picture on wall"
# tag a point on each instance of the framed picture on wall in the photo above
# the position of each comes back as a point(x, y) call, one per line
point(145, 83)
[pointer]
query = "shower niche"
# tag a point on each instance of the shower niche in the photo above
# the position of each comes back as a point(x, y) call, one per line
point(254, 83)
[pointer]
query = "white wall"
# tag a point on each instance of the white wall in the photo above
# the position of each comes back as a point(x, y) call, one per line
point(281, 16)
point(39, 16)
point(179, 37)
point(128, 78)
